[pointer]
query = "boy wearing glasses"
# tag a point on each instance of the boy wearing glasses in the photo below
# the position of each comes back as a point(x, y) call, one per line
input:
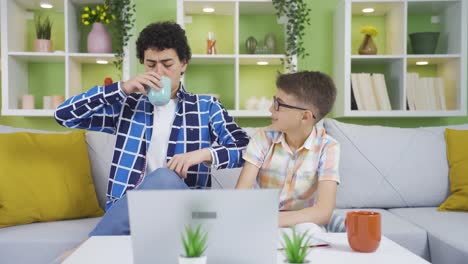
point(295, 154)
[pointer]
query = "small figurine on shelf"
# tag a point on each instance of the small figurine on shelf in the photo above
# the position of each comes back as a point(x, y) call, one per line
point(108, 81)
point(211, 44)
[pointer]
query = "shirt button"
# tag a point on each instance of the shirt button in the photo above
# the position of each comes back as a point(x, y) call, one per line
point(118, 98)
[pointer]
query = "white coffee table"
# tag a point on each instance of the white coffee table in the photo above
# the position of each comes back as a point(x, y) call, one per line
point(118, 250)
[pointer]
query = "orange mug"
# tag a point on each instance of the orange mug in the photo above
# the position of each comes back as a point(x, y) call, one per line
point(364, 230)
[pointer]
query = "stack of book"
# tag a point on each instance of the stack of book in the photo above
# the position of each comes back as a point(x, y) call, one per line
point(425, 93)
point(370, 91)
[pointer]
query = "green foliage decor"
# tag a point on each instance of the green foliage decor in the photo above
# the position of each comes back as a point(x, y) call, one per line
point(194, 242)
point(296, 13)
point(296, 247)
point(43, 28)
point(124, 12)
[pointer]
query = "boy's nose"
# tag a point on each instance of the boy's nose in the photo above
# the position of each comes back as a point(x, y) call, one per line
point(271, 108)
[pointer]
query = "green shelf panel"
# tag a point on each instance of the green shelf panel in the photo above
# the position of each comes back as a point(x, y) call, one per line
point(45, 79)
point(94, 74)
point(257, 81)
point(213, 79)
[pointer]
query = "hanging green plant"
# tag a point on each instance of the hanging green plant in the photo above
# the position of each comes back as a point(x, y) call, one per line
point(297, 18)
point(124, 12)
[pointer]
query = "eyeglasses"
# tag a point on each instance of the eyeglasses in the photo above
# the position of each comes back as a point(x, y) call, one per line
point(277, 105)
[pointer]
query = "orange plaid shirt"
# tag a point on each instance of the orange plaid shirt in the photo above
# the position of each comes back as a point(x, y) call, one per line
point(295, 174)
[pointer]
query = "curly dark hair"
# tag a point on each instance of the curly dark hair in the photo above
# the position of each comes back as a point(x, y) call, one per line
point(310, 87)
point(163, 35)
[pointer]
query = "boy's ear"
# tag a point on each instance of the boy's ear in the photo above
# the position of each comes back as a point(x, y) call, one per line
point(307, 116)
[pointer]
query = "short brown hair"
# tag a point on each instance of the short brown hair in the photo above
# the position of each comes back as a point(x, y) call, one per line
point(310, 87)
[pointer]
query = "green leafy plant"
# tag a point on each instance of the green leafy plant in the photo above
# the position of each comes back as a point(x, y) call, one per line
point(124, 12)
point(43, 28)
point(296, 246)
point(297, 17)
point(194, 241)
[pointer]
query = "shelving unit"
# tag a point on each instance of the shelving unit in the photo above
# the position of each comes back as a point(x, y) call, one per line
point(232, 72)
point(395, 20)
point(61, 72)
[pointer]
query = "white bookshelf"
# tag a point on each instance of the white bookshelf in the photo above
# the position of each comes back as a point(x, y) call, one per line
point(234, 58)
point(17, 60)
point(397, 17)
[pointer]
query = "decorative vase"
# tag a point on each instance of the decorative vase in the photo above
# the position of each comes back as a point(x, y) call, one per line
point(199, 260)
point(251, 45)
point(43, 45)
point(368, 46)
point(99, 39)
point(270, 42)
point(424, 42)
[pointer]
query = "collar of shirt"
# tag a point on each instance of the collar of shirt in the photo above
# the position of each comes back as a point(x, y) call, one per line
point(308, 144)
point(181, 93)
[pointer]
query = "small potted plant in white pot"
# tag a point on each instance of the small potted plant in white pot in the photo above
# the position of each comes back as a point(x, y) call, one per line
point(43, 43)
point(296, 246)
point(194, 243)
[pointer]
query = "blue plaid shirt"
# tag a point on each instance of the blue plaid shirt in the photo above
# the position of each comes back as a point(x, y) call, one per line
point(199, 121)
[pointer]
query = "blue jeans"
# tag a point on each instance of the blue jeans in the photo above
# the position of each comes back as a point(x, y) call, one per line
point(115, 220)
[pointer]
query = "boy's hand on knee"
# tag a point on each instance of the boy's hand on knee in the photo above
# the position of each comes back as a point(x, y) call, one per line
point(180, 163)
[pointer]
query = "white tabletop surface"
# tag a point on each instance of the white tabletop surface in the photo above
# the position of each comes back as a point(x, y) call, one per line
point(118, 250)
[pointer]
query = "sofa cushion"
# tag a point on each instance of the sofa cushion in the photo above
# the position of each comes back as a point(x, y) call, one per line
point(380, 166)
point(457, 144)
point(42, 242)
point(405, 233)
point(100, 151)
point(447, 232)
point(45, 177)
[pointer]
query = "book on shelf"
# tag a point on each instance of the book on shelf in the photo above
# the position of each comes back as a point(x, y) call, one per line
point(425, 93)
point(370, 91)
point(356, 92)
point(381, 92)
point(411, 79)
point(440, 91)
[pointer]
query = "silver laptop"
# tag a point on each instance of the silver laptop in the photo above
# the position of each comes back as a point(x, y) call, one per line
point(241, 224)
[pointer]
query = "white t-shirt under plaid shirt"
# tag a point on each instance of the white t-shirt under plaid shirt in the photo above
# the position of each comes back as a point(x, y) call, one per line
point(295, 174)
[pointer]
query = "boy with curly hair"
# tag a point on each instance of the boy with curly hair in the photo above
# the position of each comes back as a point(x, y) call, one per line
point(157, 147)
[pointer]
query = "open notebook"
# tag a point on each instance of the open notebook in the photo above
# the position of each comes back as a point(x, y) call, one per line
point(301, 228)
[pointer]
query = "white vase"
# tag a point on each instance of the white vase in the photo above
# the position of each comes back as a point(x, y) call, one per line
point(199, 260)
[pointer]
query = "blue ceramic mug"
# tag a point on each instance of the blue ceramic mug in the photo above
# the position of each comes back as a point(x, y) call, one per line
point(161, 97)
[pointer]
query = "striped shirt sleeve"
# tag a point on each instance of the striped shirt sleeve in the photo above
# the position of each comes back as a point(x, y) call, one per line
point(98, 109)
point(232, 139)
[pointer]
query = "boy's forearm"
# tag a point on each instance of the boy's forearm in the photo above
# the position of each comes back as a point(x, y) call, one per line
point(247, 177)
point(314, 214)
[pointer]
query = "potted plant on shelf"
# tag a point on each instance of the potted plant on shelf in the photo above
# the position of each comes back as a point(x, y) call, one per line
point(99, 39)
point(368, 46)
point(296, 246)
point(43, 43)
point(295, 14)
point(194, 243)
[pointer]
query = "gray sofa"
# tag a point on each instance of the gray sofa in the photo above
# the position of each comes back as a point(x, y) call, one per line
point(401, 173)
